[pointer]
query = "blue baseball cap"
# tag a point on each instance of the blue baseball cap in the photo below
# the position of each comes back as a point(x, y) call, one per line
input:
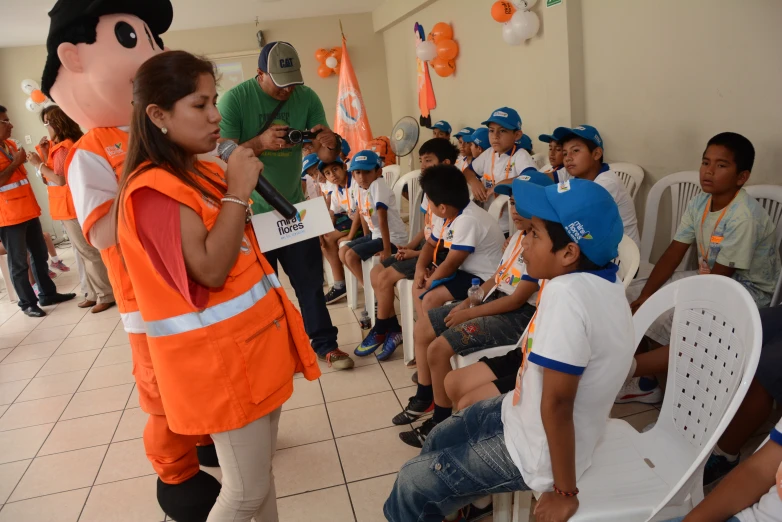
point(505, 117)
point(345, 147)
point(322, 165)
point(364, 160)
point(443, 126)
point(480, 137)
point(586, 210)
point(310, 160)
point(281, 61)
point(554, 136)
point(467, 131)
point(527, 175)
point(587, 132)
point(525, 142)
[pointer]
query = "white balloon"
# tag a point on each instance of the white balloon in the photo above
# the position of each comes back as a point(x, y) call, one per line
point(32, 106)
point(426, 51)
point(28, 86)
point(331, 62)
point(525, 24)
point(509, 35)
point(525, 4)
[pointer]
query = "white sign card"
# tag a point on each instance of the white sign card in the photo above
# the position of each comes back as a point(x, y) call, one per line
point(273, 231)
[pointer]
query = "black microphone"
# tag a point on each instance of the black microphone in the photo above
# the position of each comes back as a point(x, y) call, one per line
point(264, 188)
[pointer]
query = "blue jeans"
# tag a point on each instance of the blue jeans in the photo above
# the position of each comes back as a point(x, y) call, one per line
point(303, 262)
point(463, 459)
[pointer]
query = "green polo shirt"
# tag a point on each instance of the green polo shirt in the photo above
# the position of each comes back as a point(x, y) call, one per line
point(245, 109)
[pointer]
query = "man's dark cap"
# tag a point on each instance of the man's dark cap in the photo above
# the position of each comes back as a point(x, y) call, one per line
point(158, 14)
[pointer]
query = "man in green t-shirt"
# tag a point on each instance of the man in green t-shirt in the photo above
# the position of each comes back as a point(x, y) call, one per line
point(246, 109)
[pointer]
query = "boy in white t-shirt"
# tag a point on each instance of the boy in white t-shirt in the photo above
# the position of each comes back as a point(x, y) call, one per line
point(583, 151)
point(503, 162)
point(478, 142)
point(377, 207)
point(460, 329)
point(309, 176)
point(750, 493)
point(441, 129)
point(542, 435)
point(465, 152)
point(556, 156)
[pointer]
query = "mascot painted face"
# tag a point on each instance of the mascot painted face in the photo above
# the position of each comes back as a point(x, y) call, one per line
point(95, 48)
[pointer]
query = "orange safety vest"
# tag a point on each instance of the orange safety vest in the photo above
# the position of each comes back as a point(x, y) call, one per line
point(232, 362)
point(108, 145)
point(60, 200)
point(17, 199)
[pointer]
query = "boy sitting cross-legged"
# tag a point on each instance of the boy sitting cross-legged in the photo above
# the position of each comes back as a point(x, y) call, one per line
point(579, 345)
point(377, 209)
point(475, 245)
point(459, 328)
point(391, 270)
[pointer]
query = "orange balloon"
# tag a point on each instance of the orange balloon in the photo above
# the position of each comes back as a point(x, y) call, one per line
point(324, 71)
point(502, 11)
point(441, 31)
point(321, 55)
point(38, 96)
point(447, 49)
point(337, 53)
point(443, 68)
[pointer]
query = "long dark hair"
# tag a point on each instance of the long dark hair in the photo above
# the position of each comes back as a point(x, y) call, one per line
point(164, 80)
point(64, 127)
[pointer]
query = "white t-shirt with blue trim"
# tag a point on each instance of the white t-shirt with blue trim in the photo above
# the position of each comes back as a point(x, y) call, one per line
point(516, 272)
point(583, 327)
point(380, 196)
point(345, 200)
point(769, 507)
point(476, 232)
point(436, 224)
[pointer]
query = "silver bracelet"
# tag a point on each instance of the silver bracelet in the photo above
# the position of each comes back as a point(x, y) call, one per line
point(248, 211)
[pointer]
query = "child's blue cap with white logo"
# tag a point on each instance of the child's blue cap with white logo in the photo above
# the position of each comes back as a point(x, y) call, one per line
point(529, 175)
point(587, 132)
point(554, 136)
point(505, 117)
point(586, 210)
point(443, 126)
point(480, 137)
point(322, 165)
point(345, 147)
point(309, 161)
point(467, 131)
point(525, 142)
point(364, 160)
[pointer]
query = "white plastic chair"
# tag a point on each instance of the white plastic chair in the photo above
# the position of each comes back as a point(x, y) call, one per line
point(369, 292)
point(406, 309)
point(684, 186)
point(391, 174)
point(770, 198)
point(540, 159)
point(413, 182)
point(631, 175)
point(628, 261)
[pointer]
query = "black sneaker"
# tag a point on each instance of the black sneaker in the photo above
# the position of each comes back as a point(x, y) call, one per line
point(33, 311)
point(414, 410)
point(417, 436)
point(414, 377)
point(55, 299)
point(334, 294)
point(717, 467)
point(470, 513)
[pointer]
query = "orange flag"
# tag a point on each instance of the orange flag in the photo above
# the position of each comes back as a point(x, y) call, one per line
point(351, 121)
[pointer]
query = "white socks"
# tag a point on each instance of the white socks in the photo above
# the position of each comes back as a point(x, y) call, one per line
point(728, 457)
point(339, 285)
point(55, 259)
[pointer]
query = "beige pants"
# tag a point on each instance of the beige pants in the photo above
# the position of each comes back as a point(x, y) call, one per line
point(99, 287)
point(246, 462)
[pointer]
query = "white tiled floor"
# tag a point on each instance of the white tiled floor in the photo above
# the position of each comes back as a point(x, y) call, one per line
point(71, 427)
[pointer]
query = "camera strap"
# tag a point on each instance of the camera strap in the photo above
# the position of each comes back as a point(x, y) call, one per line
point(273, 115)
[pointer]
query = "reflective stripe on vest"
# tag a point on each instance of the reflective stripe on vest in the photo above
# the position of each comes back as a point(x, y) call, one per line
point(133, 323)
point(215, 314)
point(15, 185)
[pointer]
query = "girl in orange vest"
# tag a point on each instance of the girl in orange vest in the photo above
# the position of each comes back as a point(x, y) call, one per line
point(224, 339)
point(50, 163)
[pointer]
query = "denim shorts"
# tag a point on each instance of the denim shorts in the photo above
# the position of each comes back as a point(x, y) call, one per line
point(407, 267)
point(483, 332)
point(463, 459)
point(367, 247)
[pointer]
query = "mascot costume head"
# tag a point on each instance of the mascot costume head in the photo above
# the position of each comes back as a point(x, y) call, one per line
point(94, 49)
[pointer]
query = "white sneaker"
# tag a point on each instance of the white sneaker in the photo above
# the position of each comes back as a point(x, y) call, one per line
point(632, 392)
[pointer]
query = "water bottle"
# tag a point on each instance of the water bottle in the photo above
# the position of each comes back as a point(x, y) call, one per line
point(365, 323)
point(475, 293)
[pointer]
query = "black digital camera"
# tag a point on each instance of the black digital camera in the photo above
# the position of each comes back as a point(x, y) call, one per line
point(295, 137)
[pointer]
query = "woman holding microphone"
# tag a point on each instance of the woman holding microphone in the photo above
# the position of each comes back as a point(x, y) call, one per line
point(224, 338)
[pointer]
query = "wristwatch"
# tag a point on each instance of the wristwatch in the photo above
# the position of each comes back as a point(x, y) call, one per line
point(339, 143)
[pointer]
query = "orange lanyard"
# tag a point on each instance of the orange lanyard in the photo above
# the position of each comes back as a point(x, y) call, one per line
point(347, 194)
point(705, 251)
point(502, 270)
point(507, 167)
point(526, 347)
point(446, 224)
point(466, 163)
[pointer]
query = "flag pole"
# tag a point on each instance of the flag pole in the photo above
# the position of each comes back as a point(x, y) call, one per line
point(342, 31)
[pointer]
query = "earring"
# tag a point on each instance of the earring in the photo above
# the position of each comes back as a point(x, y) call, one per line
point(164, 130)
